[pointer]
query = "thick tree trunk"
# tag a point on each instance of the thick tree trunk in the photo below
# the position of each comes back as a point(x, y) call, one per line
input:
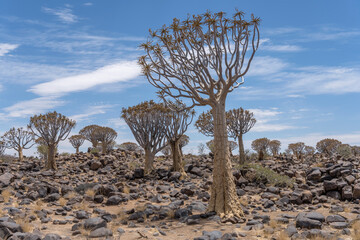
point(261, 155)
point(177, 157)
point(21, 156)
point(104, 147)
point(77, 149)
point(94, 144)
point(149, 161)
point(241, 150)
point(50, 162)
point(224, 200)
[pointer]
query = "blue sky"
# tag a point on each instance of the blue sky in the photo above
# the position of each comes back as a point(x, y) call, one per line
point(79, 58)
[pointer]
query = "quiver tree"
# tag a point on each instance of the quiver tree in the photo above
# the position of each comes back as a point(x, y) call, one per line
point(19, 139)
point(309, 150)
point(76, 141)
point(147, 121)
point(129, 146)
point(106, 136)
point(260, 145)
point(274, 146)
point(52, 128)
point(297, 149)
point(178, 120)
point(327, 146)
point(202, 59)
point(239, 122)
point(89, 133)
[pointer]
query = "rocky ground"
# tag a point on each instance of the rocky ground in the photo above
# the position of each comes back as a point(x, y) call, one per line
point(108, 197)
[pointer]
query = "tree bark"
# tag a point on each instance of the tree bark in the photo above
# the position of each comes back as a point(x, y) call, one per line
point(104, 146)
point(50, 162)
point(261, 155)
point(224, 200)
point(149, 161)
point(77, 150)
point(177, 157)
point(241, 150)
point(21, 156)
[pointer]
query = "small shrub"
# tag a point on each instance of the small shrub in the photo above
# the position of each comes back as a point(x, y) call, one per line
point(272, 177)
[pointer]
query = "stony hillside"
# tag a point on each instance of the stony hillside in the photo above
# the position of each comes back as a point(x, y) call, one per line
point(108, 197)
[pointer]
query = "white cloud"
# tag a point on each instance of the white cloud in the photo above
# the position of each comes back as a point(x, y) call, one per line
point(34, 106)
point(65, 15)
point(91, 111)
point(264, 119)
point(267, 45)
point(88, 4)
point(117, 122)
point(266, 65)
point(6, 48)
point(16, 71)
point(119, 72)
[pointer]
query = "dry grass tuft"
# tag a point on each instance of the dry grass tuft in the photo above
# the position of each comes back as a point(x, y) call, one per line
point(90, 193)
point(356, 233)
point(62, 201)
point(283, 236)
point(39, 205)
point(71, 195)
point(6, 194)
point(126, 190)
point(82, 206)
point(171, 213)
point(25, 225)
point(273, 223)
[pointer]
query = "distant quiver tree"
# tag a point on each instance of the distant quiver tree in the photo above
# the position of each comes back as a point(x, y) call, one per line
point(52, 128)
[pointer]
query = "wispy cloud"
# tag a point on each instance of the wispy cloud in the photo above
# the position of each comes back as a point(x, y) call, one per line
point(30, 107)
point(266, 65)
point(119, 72)
point(265, 119)
point(91, 111)
point(88, 4)
point(6, 48)
point(65, 15)
point(268, 45)
point(117, 122)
